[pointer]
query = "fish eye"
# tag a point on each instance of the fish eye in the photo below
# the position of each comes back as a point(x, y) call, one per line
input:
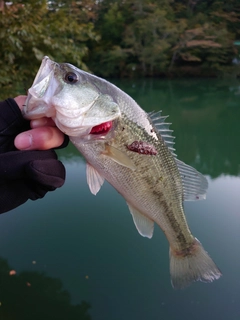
point(71, 77)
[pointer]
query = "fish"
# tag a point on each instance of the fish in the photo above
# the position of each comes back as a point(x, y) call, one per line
point(131, 149)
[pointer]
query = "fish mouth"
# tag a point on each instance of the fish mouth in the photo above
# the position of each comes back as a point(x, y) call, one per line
point(102, 129)
point(40, 92)
point(43, 78)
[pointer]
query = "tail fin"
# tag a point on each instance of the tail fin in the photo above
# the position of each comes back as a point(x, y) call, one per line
point(193, 265)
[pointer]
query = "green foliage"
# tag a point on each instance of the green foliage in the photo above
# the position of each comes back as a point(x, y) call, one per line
point(32, 29)
point(159, 37)
point(118, 38)
point(150, 36)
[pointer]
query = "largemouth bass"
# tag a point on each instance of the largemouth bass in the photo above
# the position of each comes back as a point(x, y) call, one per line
point(133, 151)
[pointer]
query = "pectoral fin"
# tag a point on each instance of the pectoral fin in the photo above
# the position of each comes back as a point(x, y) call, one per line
point(144, 225)
point(119, 157)
point(94, 179)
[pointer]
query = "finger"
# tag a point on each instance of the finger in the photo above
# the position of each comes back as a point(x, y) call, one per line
point(42, 122)
point(20, 100)
point(49, 173)
point(41, 138)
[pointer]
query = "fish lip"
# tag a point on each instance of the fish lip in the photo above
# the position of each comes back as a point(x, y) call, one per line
point(88, 137)
point(46, 67)
point(38, 90)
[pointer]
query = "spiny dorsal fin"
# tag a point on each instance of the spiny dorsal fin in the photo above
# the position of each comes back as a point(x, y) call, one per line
point(194, 183)
point(163, 128)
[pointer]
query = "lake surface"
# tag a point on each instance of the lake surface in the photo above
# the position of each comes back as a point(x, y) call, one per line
point(79, 256)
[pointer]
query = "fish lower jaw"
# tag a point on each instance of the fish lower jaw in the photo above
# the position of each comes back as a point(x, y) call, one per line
point(97, 132)
point(72, 131)
point(51, 113)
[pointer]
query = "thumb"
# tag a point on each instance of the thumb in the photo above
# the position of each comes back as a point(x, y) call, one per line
point(48, 172)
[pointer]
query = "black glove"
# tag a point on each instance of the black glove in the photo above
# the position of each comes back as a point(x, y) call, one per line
point(24, 174)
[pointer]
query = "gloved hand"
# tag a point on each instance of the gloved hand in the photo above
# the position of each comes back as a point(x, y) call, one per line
point(24, 174)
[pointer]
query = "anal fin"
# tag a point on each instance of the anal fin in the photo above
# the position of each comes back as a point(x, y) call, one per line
point(144, 225)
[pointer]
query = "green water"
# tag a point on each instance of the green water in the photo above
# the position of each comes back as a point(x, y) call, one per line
point(79, 256)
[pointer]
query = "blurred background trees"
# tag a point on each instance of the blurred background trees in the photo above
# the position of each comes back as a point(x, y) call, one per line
point(123, 38)
point(32, 29)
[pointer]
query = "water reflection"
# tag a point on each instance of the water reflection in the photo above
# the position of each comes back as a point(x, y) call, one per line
point(33, 295)
point(72, 234)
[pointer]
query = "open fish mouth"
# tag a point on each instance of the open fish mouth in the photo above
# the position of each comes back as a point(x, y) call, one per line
point(43, 78)
point(40, 93)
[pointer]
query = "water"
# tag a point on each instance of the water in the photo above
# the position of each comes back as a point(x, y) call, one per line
point(78, 256)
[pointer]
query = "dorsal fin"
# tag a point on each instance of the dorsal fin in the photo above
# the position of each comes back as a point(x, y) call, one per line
point(163, 128)
point(194, 183)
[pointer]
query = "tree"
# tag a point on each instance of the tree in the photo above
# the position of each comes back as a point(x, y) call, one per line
point(118, 38)
point(32, 29)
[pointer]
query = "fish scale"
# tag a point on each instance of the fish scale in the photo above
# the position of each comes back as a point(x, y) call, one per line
point(172, 222)
point(133, 151)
